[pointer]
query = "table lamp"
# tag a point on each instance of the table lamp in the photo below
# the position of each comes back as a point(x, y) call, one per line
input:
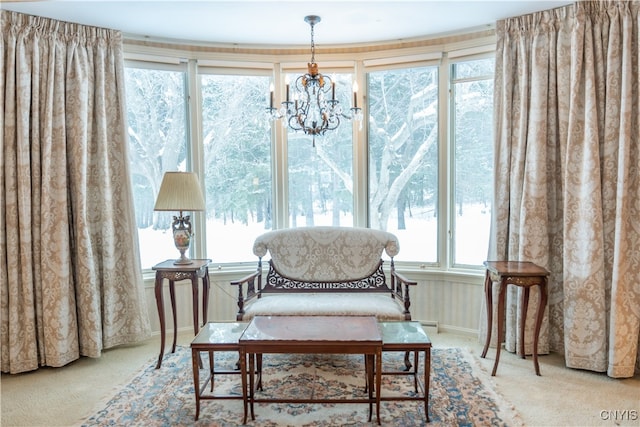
point(180, 191)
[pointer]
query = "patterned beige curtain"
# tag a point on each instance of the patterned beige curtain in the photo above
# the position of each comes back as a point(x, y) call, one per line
point(70, 277)
point(568, 177)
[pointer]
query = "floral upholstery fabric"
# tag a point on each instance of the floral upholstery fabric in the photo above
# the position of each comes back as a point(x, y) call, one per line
point(326, 254)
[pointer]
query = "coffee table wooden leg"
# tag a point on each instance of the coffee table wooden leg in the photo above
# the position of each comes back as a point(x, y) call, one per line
point(378, 360)
point(211, 367)
point(416, 365)
point(196, 380)
point(427, 376)
point(252, 370)
point(243, 376)
point(369, 368)
point(259, 371)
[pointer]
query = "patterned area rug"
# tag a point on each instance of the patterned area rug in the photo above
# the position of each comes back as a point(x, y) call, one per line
point(165, 397)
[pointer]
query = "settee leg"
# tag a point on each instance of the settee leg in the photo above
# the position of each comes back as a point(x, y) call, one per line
point(407, 361)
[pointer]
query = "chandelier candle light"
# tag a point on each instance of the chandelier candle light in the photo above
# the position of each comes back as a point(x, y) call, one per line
point(180, 191)
point(311, 111)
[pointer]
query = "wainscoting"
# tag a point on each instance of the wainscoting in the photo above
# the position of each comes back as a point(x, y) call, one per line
point(449, 301)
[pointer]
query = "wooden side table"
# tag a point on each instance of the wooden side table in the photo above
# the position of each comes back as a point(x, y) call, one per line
point(409, 336)
point(517, 273)
point(214, 336)
point(173, 273)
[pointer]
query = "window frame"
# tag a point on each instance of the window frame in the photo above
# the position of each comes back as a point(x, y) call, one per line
point(359, 64)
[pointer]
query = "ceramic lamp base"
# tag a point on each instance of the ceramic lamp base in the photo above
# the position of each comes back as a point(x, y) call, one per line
point(182, 238)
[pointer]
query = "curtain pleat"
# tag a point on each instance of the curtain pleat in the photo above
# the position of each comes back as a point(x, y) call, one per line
point(71, 283)
point(568, 177)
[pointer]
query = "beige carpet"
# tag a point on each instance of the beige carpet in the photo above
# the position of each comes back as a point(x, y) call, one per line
point(560, 397)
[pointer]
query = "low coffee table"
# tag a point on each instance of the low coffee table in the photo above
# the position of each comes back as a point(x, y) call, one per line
point(312, 335)
point(409, 336)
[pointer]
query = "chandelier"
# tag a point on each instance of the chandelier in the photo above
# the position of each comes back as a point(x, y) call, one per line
point(313, 107)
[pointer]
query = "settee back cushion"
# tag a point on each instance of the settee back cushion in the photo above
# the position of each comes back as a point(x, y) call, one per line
point(326, 254)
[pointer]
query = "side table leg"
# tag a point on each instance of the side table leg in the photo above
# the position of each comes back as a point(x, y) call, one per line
point(172, 292)
point(163, 326)
point(501, 296)
point(194, 293)
point(205, 296)
point(488, 294)
point(523, 316)
point(542, 303)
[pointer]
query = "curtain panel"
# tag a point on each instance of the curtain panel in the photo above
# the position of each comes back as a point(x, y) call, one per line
point(567, 177)
point(70, 277)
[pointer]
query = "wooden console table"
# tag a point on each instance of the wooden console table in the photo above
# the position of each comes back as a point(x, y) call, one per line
point(524, 275)
point(173, 273)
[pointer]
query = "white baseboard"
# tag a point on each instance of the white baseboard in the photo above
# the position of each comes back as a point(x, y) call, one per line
point(430, 326)
point(458, 330)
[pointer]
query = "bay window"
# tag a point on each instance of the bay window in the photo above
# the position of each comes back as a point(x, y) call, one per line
point(419, 165)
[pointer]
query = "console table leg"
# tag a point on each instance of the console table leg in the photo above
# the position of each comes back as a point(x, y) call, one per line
point(488, 293)
point(160, 304)
point(501, 297)
point(523, 315)
point(172, 292)
point(542, 303)
point(205, 297)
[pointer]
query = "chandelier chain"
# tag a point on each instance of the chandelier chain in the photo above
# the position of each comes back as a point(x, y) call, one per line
point(313, 46)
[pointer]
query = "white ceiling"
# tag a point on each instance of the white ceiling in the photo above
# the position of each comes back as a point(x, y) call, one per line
point(282, 22)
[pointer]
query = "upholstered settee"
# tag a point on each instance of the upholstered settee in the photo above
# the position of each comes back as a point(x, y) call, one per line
point(325, 271)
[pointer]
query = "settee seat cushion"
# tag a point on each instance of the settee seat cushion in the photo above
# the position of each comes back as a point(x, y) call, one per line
point(380, 305)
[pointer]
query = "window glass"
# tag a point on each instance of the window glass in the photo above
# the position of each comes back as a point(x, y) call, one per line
point(473, 159)
point(403, 158)
point(157, 143)
point(237, 159)
point(321, 169)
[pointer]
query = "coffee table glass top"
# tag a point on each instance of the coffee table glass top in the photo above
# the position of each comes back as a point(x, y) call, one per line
point(312, 328)
point(220, 333)
point(403, 333)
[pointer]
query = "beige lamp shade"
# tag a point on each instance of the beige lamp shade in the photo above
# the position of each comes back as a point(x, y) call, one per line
point(180, 191)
